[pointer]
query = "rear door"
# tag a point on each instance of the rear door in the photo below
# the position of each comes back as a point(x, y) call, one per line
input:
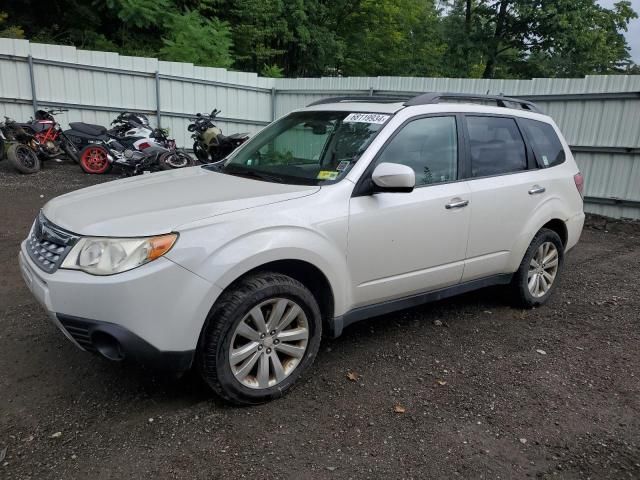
point(506, 188)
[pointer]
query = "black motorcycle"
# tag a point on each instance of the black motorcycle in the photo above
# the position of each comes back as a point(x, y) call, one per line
point(209, 144)
point(50, 141)
point(18, 146)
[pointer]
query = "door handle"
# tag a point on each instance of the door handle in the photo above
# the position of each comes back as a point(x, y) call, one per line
point(537, 189)
point(457, 203)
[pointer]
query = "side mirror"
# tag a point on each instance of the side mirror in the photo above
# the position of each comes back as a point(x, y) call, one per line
point(393, 177)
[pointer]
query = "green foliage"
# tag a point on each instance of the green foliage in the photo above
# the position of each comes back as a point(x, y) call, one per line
point(192, 38)
point(140, 13)
point(455, 38)
point(9, 31)
point(273, 71)
point(393, 38)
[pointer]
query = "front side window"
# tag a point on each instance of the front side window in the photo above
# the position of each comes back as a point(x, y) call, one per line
point(309, 148)
point(429, 146)
point(546, 144)
point(496, 146)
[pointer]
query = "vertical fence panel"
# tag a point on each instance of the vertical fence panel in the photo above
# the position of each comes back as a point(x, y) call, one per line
point(599, 115)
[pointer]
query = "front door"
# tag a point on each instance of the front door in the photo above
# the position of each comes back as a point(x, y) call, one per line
point(402, 244)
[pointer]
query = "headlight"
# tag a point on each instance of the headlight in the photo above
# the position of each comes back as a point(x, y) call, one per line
point(106, 256)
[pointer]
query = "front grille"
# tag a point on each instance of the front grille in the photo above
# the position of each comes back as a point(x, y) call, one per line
point(79, 330)
point(48, 244)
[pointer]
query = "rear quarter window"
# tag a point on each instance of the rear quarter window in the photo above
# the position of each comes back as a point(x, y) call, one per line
point(545, 142)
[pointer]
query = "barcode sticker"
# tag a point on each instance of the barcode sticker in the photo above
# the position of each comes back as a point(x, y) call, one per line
point(366, 118)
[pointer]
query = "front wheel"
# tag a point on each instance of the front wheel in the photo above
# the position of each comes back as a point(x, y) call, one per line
point(539, 271)
point(94, 159)
point(70, 149)
point(201, 154)
point(260, 336)
point(175, 159)
point(23, 158)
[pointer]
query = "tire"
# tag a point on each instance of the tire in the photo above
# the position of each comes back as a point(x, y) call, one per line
point(173, 160)
point(531, 281)
point(94, 159)
point(269, 293)
point(201, 154)
point(23, 158)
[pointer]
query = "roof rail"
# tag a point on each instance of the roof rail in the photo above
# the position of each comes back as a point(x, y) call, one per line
point(501, 101)
point(363, 98)
point(433, 97)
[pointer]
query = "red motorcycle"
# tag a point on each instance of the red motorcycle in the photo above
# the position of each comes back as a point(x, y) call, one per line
point(49, 139)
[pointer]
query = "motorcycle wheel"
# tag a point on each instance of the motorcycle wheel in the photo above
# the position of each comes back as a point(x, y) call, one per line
point(94, 159)
point(175, 159)
point(23, 158)
point(201, 154)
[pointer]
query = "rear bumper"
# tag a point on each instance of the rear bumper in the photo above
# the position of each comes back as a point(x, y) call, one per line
point(116, 343)
point(574, 230)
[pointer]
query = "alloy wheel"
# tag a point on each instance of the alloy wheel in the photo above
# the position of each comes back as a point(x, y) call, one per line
point(269, 343)
point(543, 269)
point(95, 160)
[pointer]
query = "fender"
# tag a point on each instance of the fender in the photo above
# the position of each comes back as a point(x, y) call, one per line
point(552, 208)
point(225, 263)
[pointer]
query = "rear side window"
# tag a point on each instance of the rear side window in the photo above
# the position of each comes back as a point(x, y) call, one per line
point(546, 144)
point(496, 146)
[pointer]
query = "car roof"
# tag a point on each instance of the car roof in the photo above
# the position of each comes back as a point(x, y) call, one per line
point(432, 101)
point(372, 107)
point(444, 107)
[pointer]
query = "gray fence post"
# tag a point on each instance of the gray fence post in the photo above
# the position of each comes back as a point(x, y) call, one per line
point(34, 98)
point(158, 98)
point(273, 103)
point(371, 91)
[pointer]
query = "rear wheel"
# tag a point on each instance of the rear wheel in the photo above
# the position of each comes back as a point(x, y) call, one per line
point(260, 337)
point(94, 159)
point(539, 270)
point(23, 158)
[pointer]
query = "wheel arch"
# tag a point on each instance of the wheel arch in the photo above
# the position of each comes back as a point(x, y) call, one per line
point(552, 215)
point(306, 273)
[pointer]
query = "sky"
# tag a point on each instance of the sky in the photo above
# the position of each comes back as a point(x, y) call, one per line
point(633, 33)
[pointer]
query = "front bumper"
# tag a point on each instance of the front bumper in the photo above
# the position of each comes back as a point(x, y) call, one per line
point(117, 344)
point(155, 312)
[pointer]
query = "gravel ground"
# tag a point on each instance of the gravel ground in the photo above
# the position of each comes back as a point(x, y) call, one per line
point(464, 388)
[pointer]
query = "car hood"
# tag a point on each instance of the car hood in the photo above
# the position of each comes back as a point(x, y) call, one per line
point(161, 202)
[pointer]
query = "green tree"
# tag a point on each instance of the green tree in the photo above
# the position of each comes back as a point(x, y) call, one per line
point(392, 38)
point(455, 38)
point(192, 38)
point(9, 31)
point(550, 37)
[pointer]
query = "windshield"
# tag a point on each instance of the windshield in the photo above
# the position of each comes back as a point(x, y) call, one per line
point(309, 148)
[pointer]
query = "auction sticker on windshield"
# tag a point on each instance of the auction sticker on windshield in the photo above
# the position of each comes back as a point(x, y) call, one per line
point(366, 118)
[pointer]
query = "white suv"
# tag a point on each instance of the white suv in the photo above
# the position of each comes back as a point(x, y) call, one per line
point(346, 209)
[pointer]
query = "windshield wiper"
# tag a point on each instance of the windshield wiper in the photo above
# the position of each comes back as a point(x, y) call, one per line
point(248, 173)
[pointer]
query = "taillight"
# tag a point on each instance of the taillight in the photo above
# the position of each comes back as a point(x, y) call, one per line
point(144, 146)
point(579, 179)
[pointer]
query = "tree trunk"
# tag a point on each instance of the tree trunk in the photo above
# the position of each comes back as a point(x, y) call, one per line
point(495, 41)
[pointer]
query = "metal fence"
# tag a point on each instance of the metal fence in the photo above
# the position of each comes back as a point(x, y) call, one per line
point(599, 115)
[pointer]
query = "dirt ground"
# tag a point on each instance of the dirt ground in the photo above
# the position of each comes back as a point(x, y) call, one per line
point(488, 391)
